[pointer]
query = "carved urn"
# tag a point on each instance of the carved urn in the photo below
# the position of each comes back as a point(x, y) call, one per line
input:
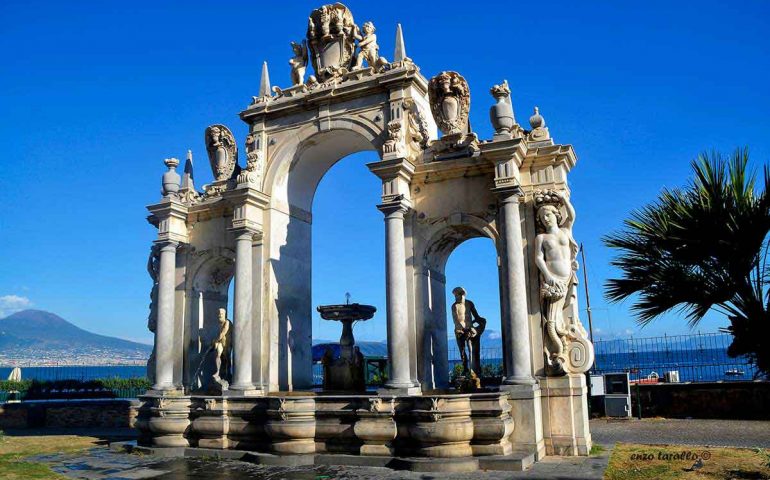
point(171, 179)
point(501, 113)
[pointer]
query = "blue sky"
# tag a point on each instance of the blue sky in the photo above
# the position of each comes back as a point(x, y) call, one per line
point(95, 94)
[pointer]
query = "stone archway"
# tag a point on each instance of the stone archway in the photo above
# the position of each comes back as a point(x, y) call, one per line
point(206, 292)
point(445, 237)
point(298, 166)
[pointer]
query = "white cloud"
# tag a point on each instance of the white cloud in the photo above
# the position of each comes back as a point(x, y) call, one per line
point(13, 303)
point(494, 334)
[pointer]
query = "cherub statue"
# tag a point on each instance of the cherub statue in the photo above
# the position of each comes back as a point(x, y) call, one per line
point(469, 326)
point(222, 346)
point(298, 62)
point(368, 48)
point(555, 257)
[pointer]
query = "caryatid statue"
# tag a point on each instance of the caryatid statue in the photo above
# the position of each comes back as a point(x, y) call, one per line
point(222, 346)
point(153, 268)
point(566, 345)
point(469, 326)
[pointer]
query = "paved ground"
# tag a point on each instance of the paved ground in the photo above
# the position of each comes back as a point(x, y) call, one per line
point(714, 433)
point(102, 464)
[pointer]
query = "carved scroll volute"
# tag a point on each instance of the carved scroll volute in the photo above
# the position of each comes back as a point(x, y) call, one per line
point(450, 102)
point(331, 37)
point(222, 150)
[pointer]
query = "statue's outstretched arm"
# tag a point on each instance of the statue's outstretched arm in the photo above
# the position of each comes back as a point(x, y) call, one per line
point(570, 210)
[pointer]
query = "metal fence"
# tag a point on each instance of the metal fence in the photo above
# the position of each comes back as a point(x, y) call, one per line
point(700, 357)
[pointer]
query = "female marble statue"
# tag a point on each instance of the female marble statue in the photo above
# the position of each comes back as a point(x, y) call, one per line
point(556, 252)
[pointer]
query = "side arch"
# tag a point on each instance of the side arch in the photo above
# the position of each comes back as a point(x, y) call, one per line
point(442, 239)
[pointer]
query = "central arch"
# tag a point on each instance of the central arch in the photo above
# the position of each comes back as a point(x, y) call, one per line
point(295, 171)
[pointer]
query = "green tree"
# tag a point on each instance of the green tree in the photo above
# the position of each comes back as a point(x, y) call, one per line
point(703, 247)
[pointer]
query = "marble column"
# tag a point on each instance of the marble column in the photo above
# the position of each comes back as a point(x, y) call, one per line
point(517, 360)
point(396, 301)
point(242, 311)
point(164, 333)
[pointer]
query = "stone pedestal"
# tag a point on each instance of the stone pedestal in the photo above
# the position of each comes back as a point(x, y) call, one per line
point(527, 417)
point(492, 424)
point(565, 415)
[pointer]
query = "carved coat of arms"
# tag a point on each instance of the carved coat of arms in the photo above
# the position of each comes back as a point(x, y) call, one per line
point(450, 102)
point(222, 150)
point(331, 35)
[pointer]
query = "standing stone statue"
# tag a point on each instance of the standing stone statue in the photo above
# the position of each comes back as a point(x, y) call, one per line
point(222, 346)
point(468, 329)
point(566, 347)
point(153, 268)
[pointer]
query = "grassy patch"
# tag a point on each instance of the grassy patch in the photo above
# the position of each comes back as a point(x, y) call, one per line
point(674, 462)
point(596, 450)
point(13, 450)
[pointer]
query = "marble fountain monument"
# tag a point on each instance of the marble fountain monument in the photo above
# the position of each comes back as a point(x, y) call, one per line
point(251, 226)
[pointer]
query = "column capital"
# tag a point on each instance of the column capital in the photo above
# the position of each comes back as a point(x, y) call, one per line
point(166, 244)
point(398, 206)
point(170, 217)
point(511, 192)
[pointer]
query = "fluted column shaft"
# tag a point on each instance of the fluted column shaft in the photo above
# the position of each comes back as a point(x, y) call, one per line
point(242, 312)
point(517, 360)
point(164, 333)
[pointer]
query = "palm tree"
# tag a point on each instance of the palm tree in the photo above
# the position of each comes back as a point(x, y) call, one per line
point(703, 247)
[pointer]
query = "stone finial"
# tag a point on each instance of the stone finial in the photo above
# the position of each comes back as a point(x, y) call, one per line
point(187, 179)
point(539, 130)
point(399, 55)
point(264, 82)
point(171, 179)
point(536, 120)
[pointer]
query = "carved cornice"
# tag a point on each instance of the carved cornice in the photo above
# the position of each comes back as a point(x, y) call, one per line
point(550, 154)
point(170, 218)
point(505, 150)
point(390, 169)
point(357, 86)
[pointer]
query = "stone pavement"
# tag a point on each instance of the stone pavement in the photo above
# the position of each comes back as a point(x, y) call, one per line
point(103, 464)
point(714, 433)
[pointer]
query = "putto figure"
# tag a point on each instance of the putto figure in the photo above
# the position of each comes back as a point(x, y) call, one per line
point(298, 62)
point(469, 326)
point(566, 347)
point(368, 49)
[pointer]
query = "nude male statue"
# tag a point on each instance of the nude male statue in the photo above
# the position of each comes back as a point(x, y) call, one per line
point(222, 346)
point(469, 326)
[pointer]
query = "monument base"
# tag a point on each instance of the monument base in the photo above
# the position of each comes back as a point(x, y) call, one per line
point(565, 415)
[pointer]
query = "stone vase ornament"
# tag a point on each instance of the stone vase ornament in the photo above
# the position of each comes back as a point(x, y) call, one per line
point(501, 113)
point(171, 179)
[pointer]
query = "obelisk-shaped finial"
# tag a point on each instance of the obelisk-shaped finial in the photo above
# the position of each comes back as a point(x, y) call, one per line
point(400, 53)
point(264, 83)
point(187, 180)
